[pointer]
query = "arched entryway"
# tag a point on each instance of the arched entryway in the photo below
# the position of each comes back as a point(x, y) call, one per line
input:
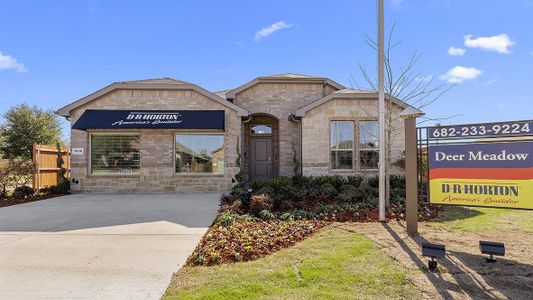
point(261, 140)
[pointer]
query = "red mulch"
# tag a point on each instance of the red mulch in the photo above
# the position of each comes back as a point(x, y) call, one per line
point(11, 202)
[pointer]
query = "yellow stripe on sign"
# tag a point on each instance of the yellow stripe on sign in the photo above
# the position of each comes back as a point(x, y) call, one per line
point(482, 192)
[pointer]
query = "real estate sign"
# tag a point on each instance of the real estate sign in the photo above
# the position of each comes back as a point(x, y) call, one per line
point(492, 174)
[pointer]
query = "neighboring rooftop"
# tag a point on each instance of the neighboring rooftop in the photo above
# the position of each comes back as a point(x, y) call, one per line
point(222, 94)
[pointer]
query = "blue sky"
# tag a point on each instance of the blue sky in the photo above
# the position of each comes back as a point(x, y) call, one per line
point(54, 52)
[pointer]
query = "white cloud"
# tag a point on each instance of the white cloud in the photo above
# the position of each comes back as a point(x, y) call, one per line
point(9, 62)
point(265, 32)
point(497, 43)
point(456, 51)
point(460, 74)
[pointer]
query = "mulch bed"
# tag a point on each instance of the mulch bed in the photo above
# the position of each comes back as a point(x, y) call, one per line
point(250, 240)
point(10, 202)
point(244, 241)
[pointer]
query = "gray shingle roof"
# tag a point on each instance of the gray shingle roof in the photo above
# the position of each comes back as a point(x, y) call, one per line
point(164, 80)
point(354, 91)
point(292, 75)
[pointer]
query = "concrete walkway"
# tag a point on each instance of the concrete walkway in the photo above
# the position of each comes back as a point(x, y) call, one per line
point(88, 246)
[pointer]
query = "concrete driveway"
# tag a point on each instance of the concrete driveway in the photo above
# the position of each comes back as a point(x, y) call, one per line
point(93, 246)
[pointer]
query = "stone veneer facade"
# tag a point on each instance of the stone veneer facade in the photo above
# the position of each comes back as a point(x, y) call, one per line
point(316, 134)
point(305, 138)
point(157, 146)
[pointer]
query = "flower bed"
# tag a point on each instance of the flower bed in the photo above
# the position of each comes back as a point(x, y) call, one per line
point(249, 240)
point(351, 198)
point(263, 217)
point(42, 196)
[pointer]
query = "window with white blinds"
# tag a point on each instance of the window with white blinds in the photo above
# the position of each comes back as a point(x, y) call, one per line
point(115, 153)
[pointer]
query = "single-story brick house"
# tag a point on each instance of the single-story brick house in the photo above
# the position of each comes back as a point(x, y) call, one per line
point(166, 135)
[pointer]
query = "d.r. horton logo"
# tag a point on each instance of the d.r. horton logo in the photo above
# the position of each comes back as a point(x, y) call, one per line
point(481, 189)
point(149, 118)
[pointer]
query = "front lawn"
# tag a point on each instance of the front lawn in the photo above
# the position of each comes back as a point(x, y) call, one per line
point(481, 219)
point(331, 264)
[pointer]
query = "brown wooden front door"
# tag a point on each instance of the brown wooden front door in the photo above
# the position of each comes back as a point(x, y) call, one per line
point(261, 158)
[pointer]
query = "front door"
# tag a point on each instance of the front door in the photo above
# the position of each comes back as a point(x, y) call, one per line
point(261, 158)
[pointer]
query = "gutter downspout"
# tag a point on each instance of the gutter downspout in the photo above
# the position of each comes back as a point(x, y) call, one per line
point(293, 118)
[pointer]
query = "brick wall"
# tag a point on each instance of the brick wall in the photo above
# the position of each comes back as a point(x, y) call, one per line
point(316, 134)
point(156, 146)
point(280, 100)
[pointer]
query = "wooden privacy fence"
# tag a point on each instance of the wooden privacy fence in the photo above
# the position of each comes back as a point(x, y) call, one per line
point(47, 172)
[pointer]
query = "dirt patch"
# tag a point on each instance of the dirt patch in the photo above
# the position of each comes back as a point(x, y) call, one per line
point(463, 273)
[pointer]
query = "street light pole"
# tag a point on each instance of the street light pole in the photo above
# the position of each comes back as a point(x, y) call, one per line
point(381, 111)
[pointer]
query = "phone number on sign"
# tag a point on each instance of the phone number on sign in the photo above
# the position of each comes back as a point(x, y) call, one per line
point(503, 129)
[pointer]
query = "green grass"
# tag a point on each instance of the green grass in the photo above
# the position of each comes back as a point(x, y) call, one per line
point(332, 264)
point(477, 219)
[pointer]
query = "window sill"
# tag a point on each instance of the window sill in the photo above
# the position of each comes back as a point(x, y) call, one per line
point(117, 175)
point(199, 174)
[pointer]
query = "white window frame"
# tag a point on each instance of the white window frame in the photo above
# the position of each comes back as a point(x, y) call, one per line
point(353, 168)
point(359, 149)
point(90, 155)
point(175, 133)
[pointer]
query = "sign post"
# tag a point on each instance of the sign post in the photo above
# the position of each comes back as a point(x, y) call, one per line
point(411, 170)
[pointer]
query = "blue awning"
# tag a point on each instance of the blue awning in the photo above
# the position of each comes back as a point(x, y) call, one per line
point(150, 119)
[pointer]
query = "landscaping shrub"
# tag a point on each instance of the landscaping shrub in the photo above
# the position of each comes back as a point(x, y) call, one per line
point(266, 215)
point(63, 187)
point(21, 192)
point(355, 181)
point(397, 182)
point(352, 198)
point(349, 193)
point(328, 191)
point(15, 173)
point(373, 181)
point(259, 203)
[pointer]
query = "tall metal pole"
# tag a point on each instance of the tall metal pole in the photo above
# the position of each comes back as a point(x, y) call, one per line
point(381, 98)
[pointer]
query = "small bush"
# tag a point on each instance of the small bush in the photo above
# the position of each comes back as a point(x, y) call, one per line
point(227, 199)
point(259, 203)
point(226, 218)
point(373, 181)
point(349, 193)
point(328, 191)
point(287, 217)
point(355, 180)
point(21, 192)
point(240, 193)
point(266, 215)
point(397, 182)
point(62, 187)
point(397, 195)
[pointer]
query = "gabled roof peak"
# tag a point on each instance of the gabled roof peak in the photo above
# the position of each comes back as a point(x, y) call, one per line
point(290, 75)
point(164, 80)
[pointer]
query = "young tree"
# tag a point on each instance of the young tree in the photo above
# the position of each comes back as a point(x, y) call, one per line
point(26, 125)
point(404, 83)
